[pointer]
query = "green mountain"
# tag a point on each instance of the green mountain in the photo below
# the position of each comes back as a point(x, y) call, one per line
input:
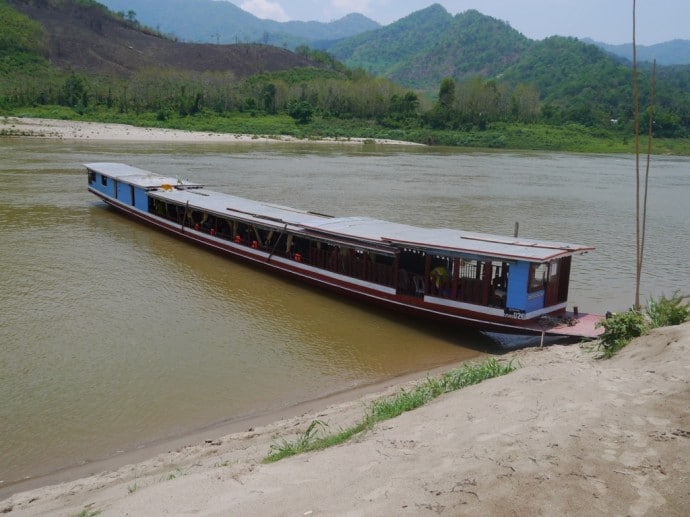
point(210, 21)
point(383, 51)
point(420, 50)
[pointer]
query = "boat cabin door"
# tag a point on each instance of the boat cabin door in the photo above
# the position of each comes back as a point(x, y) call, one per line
point(557, 283)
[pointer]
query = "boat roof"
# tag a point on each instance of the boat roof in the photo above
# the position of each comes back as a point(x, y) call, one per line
point(137, 177)
point(450, 241)
point(363, 231)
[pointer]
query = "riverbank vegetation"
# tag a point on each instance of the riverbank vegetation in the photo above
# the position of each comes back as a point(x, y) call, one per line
point(566, 138)
point(307, 104)
point(621, 328)
point(315, 437)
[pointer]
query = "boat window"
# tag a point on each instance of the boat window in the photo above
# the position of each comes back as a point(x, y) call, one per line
point(538, 276)
point(469, 269)
point(92, 177)
point(104, 180)
point(553, 271)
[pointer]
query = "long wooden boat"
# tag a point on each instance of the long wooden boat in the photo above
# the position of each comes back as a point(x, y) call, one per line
point(490, 282)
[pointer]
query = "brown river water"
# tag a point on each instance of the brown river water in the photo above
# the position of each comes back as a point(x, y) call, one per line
point(113, 336)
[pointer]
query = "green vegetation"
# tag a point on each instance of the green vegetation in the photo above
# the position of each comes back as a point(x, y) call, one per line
point(315, 437)
point(623, 327)
point(668, 311)
point(21, 42)
point(570, 138)
point(558, 94)
point(88, 513)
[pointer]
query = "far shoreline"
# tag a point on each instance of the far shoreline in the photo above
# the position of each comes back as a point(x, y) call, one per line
point(501, 138)
point(29, 127)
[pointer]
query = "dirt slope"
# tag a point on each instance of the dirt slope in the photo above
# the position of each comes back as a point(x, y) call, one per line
point(90, 39)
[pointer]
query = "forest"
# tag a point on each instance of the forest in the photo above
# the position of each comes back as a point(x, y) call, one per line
point(544, 100)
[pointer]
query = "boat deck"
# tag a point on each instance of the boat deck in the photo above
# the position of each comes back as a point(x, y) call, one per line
point(570, 324)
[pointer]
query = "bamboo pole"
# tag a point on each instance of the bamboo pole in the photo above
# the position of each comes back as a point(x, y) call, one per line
point(652, 94)
point(641, 205)
point(636, 110)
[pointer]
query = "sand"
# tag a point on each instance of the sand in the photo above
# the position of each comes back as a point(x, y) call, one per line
point(565, 434)
point(77, 130)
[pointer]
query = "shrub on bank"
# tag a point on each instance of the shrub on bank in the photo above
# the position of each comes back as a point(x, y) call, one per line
point(623, 327)
point(620, 329)
point(668, 311)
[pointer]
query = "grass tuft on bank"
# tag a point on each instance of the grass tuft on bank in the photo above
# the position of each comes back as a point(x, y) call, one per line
point(316, 436)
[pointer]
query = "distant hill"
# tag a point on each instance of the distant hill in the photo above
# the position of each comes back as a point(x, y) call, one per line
point(210, 21)
point(85, 36)
point(675, 52)
point(384, 51)
point(426, 46)
point(421, 49)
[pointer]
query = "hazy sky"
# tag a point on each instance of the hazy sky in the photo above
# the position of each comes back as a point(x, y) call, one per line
point(609, 21)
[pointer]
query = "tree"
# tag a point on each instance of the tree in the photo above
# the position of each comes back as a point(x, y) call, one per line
point(446, 93)
point(403, 108)
point(74, 92)
point(268, 95)
point(301, 111)
point(443, 114)
point(525, 103)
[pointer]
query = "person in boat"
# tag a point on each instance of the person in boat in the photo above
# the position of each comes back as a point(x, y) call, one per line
point(439, 278)
point(499, 291)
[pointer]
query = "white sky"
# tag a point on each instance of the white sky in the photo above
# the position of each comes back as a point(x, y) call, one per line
point(609, 21)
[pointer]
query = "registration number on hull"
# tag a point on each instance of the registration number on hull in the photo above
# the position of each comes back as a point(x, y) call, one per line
point(515, 314)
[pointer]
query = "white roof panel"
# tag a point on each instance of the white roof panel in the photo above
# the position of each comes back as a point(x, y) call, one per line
point(135, 176)
point(363, 230)
point(444, 239)
point(232, 206)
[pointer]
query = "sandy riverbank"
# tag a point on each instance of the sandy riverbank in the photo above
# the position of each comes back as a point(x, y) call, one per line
point(77, 130)
point(565, 434)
